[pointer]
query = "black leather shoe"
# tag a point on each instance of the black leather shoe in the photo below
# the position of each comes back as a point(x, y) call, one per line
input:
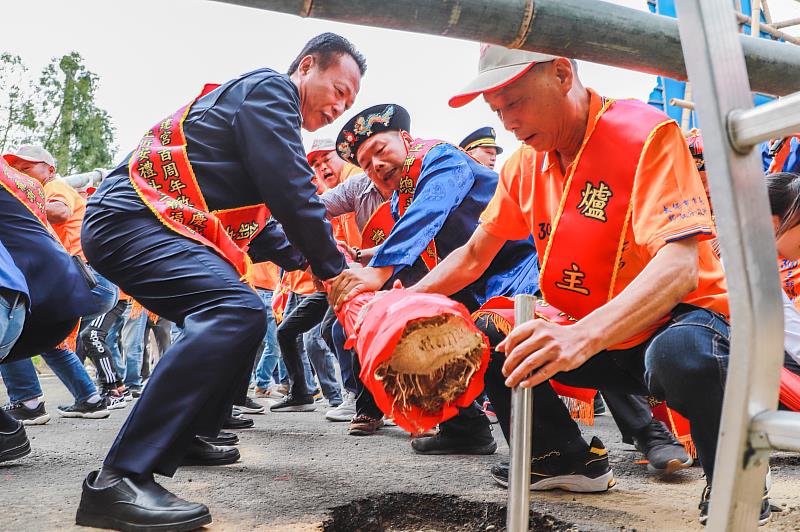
point(137, 506)
point(223, 438)
point(238, 422)
point(14, 445)
point(202, 453)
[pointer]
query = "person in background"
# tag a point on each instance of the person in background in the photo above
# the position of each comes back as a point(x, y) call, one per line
point(482, 146)
point(64, 212)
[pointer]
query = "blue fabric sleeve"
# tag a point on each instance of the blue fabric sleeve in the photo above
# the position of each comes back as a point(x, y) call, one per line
point(267, 130)
point(445, 180)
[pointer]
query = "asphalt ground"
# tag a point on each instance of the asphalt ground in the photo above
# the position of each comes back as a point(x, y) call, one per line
point(296, 467)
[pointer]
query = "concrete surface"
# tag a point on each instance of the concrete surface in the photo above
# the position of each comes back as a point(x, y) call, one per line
point(296, 466)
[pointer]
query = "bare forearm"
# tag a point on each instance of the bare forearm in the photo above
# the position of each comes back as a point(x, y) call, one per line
point(57, 212)
point(455, 272)
point(665, 282)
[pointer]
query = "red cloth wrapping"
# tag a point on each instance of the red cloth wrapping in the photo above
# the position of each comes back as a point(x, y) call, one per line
point(790, 390)
point(503, 308)
point(378, 336)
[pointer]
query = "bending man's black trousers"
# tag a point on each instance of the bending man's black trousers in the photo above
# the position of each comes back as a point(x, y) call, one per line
point(190, 390)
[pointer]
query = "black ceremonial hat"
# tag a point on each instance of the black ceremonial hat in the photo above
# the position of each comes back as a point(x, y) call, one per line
point(484, 136)
point(375, 119)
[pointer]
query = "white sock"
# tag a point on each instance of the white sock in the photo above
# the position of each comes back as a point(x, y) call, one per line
point(93, 400)
point(31, 403)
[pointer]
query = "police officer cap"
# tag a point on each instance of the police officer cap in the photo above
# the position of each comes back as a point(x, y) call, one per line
point(375, 119)
point(484, 136)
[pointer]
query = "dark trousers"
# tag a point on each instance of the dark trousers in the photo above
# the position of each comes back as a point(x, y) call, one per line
point(190, 390)
point(94, 345)
point(304, 317)
point(631, 413)
point(685, 363)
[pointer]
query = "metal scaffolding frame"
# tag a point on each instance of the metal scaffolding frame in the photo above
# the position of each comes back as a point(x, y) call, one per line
point(750, 427)
point(718, 60)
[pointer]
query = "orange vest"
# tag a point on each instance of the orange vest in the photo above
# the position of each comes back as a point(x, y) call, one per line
point(595, 208)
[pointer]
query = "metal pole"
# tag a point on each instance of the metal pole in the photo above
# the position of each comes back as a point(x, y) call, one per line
point(774, 119)
point(521, 447)
point(713, 53)
point(592, 30)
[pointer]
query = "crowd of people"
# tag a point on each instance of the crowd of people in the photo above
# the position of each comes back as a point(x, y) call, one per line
point(233, 248)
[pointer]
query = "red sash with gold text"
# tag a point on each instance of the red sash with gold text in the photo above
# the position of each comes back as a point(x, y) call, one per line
point(163, 177)
point(26, 189)
point(583, 253)
point(381, 222)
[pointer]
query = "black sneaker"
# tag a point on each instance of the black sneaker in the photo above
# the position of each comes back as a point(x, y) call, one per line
point(250, 407)
point(14, 444)
point(663, 452)
point(28, 416)
point(238, 422)
point(293, 403)
point(136, 390)
point(705, 500)
point(85, 409)
point(589, 473)
point(445, 442)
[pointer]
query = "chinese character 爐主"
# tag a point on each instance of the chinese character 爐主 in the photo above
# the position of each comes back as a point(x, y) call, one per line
point(573, 280)
point(594, 201)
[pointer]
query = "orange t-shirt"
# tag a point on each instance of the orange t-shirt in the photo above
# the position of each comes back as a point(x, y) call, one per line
point(299, 282)
point(669, 204)
point(265, 275)
point(69, 232)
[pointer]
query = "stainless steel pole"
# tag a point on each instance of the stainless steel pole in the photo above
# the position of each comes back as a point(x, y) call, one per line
point(593, 30)
point(519, 471)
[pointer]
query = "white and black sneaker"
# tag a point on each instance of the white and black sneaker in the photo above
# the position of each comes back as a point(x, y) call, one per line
point(85, 409)
point(294, 403)
point(28, 416)
point(113, 399)
point(589, 473)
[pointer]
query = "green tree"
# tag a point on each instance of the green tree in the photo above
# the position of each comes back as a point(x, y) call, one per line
point(59, 112)
point(17, 118)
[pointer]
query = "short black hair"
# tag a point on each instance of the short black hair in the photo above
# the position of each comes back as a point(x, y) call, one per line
point(324, 47)
point(784, 199)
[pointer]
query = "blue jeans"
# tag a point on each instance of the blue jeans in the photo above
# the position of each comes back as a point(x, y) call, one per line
point(22, 382)
point(345, 357)
point(21, 379)
point(684, 363)
point(12, 319)
point(271, 354)
point(133, 331)
point(105, 293)
point(113, 340)
point(324, 363)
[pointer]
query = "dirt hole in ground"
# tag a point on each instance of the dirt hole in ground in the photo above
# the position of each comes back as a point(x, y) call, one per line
point(420, 512)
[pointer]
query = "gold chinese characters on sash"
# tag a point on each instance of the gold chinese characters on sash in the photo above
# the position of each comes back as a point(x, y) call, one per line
point(26, 189)
point(381, 222)
point(582, 255)
point(163, 177)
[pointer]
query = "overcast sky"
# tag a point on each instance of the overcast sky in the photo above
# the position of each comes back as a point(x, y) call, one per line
point(152, 56)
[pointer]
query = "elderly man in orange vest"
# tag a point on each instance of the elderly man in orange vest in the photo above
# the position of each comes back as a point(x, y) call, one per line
point(622, 226)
